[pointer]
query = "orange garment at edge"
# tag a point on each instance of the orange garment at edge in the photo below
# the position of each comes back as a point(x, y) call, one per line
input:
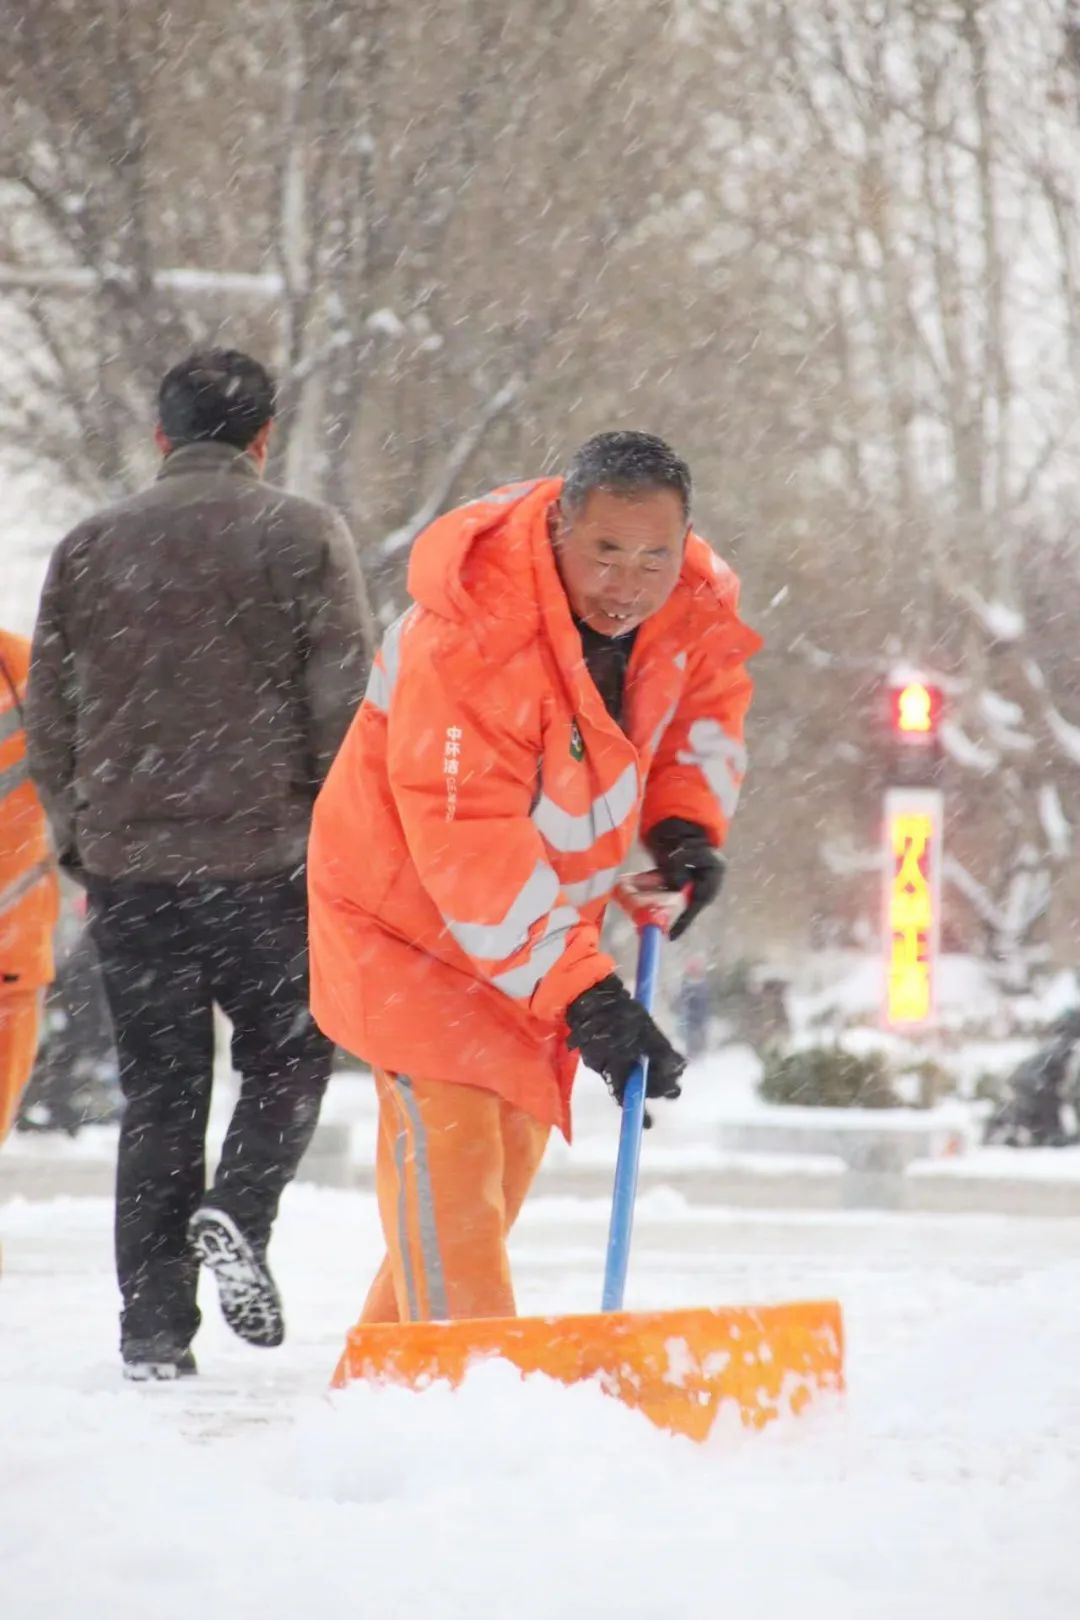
point(29, 893)
point(471, 828)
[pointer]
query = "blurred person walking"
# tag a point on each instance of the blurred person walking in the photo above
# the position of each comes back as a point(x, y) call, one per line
point(572, 672)
point(75, 1078)
point(29, 891)
point(199, 651)
point(693, 1005)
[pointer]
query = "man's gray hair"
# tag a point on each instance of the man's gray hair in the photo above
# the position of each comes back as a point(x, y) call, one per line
point(628, 464)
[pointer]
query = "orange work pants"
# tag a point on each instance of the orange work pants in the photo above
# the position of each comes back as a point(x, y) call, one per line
point(20, 1013)
point(452, 1169)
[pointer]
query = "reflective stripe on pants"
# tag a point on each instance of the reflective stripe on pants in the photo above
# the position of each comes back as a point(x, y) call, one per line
point(453, 1166)
point(20, 887)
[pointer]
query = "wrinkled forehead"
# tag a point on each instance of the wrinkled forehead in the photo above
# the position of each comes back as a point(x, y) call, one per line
point(640, 520)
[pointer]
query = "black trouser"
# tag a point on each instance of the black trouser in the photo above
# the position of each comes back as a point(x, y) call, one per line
point(168, 952)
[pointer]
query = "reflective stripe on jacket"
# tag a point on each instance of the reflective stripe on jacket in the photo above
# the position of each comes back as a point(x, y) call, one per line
point(28, 886)
point(472, 826)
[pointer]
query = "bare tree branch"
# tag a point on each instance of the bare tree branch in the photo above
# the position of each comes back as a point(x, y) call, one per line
point(399, 539)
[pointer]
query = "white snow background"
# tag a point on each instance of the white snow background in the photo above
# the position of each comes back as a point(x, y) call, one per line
point(946, 1483)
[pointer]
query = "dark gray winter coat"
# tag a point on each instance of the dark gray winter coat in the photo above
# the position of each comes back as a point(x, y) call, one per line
point(199, 652)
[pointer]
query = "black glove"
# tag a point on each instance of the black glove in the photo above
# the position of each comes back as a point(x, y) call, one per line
point(683, 855)
point(612, 1031)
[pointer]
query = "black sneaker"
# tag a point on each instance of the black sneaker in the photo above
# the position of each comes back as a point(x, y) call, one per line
point(156, 1361)
point(249, 1298)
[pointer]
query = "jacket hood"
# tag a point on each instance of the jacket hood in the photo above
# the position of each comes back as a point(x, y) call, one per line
point(478, 556)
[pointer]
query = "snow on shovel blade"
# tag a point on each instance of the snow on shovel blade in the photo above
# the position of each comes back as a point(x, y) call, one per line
point(678, 1367)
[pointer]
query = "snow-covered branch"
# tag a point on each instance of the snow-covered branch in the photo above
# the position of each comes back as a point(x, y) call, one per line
point(315, 359)
point(1055, 823)
point(975, 893)
point(1026, 897)
point(1000, 622)
point(1003, 720)
point(843, 858)
point(964, 751)
point(1066, 735)
point(183, 278)
point(824, 657)
point(401, 538)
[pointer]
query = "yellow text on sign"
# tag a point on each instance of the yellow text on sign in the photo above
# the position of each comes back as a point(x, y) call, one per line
point(911, 921)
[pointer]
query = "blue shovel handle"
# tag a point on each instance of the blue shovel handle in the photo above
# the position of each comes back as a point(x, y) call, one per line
point(633, 1120)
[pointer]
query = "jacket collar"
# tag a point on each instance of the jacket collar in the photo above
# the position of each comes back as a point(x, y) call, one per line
point(205, 456)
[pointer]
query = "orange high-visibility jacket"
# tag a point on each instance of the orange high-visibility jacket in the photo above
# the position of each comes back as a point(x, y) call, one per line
point(29, 892)
point(471, 828)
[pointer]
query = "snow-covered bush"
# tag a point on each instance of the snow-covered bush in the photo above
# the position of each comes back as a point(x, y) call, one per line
point(829, 1077)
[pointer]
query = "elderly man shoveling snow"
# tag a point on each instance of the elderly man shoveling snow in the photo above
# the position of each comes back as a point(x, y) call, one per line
point(570, 676)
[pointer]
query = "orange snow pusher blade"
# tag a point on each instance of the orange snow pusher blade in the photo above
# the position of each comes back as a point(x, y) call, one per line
point(680, 1368)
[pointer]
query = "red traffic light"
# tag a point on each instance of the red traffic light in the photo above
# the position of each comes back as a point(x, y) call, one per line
point(915, 709)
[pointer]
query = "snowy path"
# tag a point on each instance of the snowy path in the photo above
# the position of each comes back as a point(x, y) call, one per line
point(946, 1486)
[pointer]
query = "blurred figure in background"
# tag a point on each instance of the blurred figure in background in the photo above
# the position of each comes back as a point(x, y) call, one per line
point(1040, 1092)
point(693, 1006)
point(28, 888)
point(199, 651)
point(75, 1078)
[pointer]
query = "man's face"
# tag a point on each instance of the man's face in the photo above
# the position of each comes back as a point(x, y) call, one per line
point(619, 557)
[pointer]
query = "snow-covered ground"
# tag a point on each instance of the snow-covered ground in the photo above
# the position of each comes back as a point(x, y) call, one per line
point(719, 1135)
point(945, 1485)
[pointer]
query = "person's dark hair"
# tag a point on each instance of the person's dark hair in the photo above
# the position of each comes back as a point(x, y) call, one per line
point(625, 463)
point(218, 394)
